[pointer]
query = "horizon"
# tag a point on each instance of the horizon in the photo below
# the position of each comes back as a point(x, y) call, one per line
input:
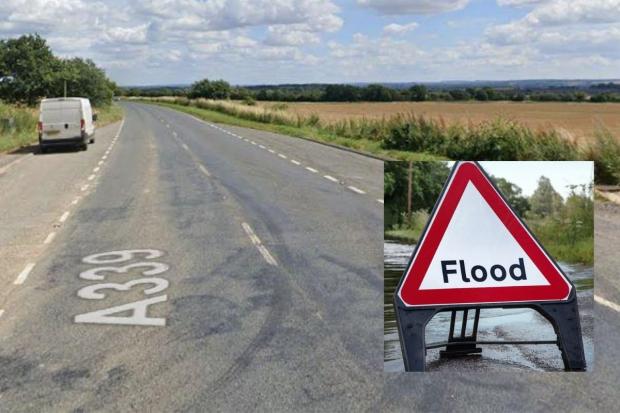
point(330, 41)
point(361, 82)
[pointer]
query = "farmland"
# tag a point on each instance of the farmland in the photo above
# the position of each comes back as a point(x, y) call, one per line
point(573, 120)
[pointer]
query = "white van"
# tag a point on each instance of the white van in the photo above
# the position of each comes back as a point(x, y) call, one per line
point(66, 121)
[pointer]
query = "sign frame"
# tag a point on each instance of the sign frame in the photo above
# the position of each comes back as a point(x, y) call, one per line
point(563, 314)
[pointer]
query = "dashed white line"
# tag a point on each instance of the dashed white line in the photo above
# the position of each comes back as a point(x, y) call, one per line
point(204, 170)
point(262, 146)
point(281, 155)
point(607, 303)
point(294, 162)
point(259, 245)
point(1, 312)
point(84, 187)
point(185, 147)
point(49, 237)
point(380, 201)
point(311, 169)
point(75, 201)
point(24, 274)
point(64, 216)
point(354, 189)
point(91, 177)
point(96, 169)
point(104, 157)
point(174, 134)
point(331, 178)
point(271, 150)
point(100, 163)
point(253, 143)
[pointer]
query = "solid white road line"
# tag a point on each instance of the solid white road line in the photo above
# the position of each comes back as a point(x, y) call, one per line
point(380, 201)
point(204, 170)
point(311, 169)
point(259, 245)
point(13, 163)
point(354, 189)
point(24, 274)
point(607, 303)
point(1, 312)
point(331, 178)
point(49, 237)
point(281, 155)
point(64, 216)
point(294, 162)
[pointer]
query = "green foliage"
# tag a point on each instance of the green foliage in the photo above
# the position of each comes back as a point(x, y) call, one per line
point(513, 195)
point(545, 201)
point(210, 89)
point(30, 71)
point(249, 101)
point(605, 152)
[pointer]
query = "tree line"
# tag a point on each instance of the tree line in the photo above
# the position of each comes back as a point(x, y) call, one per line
point(30, 71)
point(220, 89)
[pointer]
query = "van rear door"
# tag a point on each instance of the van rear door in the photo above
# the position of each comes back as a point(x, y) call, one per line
point(61, 119)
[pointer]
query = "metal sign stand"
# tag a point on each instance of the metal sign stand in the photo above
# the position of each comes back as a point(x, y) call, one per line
point(563, 316)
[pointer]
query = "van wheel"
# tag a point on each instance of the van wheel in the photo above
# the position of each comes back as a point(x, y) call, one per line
point(92, 140)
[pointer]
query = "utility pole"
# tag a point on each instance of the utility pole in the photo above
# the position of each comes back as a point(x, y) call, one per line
point(409, 179)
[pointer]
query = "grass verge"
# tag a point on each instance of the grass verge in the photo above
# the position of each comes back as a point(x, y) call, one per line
point(363, 145)
point(20, 130)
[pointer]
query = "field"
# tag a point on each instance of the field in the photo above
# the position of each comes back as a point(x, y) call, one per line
point(573, 120)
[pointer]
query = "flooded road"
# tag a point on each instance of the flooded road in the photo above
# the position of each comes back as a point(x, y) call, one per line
point(495, 325)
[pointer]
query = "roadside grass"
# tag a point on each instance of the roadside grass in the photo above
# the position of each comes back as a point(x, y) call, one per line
point(406, 236)
point(23, 129)
point(303, 130)
point(407, 136)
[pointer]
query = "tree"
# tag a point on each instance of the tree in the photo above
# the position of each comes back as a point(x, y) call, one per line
point(513, 195)
point(84, 79)
point(218, 89)
point(377, 93)
point(545, 201)
point(418, 93)
point(31, 66)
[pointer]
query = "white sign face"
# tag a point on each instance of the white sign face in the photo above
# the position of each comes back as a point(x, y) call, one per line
point(477, 251)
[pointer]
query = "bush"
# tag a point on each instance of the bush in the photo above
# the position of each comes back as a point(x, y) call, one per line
point(605, 152)
point(249, 101)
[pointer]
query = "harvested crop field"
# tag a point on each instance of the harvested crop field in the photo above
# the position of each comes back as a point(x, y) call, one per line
point(575, 120)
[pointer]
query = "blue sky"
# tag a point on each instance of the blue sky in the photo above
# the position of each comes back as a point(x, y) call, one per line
point(298, 41)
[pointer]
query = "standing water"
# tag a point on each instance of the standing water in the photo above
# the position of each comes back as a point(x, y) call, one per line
point(495, 325)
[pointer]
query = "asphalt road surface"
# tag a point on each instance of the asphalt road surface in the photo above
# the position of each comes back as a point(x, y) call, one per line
point(247, 273)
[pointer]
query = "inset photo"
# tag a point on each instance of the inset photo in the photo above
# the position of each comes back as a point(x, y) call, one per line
point(488, 266)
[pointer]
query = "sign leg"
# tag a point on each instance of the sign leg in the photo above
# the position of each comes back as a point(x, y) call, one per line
point(411, 326)
point(565, 320)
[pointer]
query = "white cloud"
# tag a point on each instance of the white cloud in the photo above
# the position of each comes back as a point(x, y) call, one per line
point(520, 3)
point(395, 28)
point(395, 7)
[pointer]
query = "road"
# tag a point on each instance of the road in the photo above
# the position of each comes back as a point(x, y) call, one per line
point(258, 282)
point(515, 391)
point(249, 275)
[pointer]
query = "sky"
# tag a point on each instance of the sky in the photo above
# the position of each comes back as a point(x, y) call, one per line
point(526, 174)
point(150, 42)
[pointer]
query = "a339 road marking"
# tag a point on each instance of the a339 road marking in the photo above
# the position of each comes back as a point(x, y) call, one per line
point(150, 285)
